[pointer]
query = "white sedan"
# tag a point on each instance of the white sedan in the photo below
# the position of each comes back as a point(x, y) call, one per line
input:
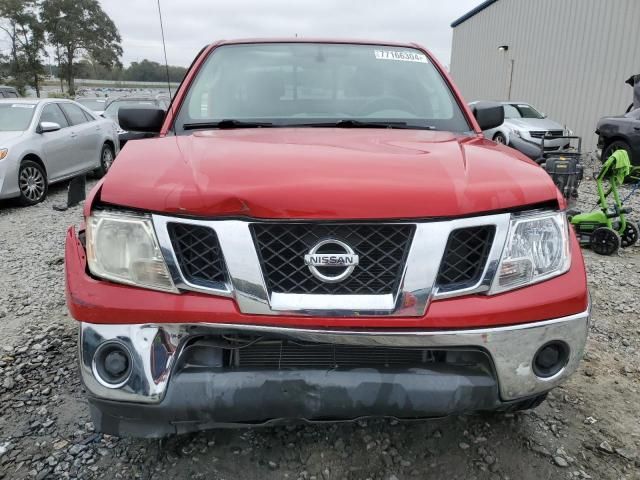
point(43, 141)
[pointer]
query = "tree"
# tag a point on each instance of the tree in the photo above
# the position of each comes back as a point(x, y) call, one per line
point(26, 35)
point(81, 29)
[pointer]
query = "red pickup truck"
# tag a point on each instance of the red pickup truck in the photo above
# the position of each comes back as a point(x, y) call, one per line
point(320, 232)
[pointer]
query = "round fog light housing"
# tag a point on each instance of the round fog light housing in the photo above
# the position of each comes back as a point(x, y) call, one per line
point(112, 364)
point(550, 359)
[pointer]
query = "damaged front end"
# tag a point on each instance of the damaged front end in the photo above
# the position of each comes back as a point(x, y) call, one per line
point(180, 378)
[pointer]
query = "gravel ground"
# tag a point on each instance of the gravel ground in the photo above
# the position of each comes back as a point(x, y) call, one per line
point(587, 428)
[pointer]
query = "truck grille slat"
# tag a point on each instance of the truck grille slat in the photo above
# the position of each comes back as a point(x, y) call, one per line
point(465, 257)
point(199, 255)
point(282, 354)
point(382, 250)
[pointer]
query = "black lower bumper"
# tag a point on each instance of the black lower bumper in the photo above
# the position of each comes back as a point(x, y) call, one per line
point(201, 398)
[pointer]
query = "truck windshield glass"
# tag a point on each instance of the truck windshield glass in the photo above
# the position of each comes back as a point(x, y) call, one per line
point(15, 117)
point(307, 84)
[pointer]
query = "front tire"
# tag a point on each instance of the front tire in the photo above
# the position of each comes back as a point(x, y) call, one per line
point(500, 138)
point(32, 183)
point(106, 160)
point(612, 147)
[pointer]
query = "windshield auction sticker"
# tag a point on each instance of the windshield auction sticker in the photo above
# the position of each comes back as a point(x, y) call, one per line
point(402, 56)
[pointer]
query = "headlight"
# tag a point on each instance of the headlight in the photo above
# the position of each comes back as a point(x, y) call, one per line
point(537, 249)
point(123, 248)
point(3, 152)
point(120, 131)
point(516, 133)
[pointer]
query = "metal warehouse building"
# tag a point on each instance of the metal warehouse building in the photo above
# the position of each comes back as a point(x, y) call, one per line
point(568, 58)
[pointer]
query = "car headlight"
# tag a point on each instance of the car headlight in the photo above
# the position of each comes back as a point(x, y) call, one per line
point(120, 131)
point(537, 249)
point(516, 133)
point(3, 153)
point(123, 247)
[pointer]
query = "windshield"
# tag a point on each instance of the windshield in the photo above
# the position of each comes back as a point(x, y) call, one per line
point(92, 104)
point(520, 110)
point(15, 117)
point(306, 83)
point(115, 106)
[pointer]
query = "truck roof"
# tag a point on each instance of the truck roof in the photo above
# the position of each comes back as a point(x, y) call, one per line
point(317, 40)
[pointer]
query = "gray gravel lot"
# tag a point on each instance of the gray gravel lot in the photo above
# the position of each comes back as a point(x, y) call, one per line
point(589, 428)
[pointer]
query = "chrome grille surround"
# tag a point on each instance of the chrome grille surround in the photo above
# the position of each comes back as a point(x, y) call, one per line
point(247, 285)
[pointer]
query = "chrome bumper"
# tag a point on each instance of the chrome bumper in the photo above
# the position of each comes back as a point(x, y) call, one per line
point(155, 350)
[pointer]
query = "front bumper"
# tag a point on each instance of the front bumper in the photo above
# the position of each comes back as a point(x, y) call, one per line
point(8, 178)
point(162, 395)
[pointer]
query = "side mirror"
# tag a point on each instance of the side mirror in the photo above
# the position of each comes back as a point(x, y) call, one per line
point(488, 114)
point(147, 120)
point(45, 127)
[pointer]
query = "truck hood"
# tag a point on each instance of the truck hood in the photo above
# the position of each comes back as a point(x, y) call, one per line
point(323, 173)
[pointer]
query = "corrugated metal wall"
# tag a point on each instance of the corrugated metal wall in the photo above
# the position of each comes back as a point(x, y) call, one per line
point(570, 58)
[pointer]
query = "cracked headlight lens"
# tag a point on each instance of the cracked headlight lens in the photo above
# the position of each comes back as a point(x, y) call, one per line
point(537, 249)
point(123, 247)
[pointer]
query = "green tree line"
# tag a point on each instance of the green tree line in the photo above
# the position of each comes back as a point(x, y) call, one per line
point(84, 40)
point(143, 71)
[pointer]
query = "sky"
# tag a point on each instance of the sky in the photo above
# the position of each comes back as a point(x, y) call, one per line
point(191, 24)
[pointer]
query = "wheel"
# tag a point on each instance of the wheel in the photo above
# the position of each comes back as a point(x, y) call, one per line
point(106, 160)
point(630, 235)
point(605, 241)
point(612, 147)
point(500, 138)
point(32, 182)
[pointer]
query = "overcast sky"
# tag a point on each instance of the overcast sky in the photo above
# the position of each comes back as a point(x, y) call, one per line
point(191, 24)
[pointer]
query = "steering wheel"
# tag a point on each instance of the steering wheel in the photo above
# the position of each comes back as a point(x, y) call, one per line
point(386, 103)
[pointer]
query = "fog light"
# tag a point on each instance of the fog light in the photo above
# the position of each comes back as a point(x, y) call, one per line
point(550, 359)
point(112, 364)
point(116, 363)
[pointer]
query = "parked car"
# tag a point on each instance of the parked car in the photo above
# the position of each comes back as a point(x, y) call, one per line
point(523, 129)
point(114, 106)
point(44, 141)
point(622, 132)
point(326, 245)
point(8, 92)
point(95, 104)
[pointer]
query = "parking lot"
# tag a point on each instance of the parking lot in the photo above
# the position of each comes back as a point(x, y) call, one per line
point(588, 428)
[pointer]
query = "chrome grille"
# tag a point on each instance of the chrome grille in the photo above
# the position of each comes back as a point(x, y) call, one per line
point(547, 133)
point(198, 254)
point(465, 257)
point(382, 250)
point(282, 354)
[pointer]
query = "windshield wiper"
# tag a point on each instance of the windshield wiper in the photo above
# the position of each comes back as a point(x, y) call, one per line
point(227, 123)
point(352, 123)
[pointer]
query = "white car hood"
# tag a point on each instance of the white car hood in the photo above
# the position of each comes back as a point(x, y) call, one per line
point(542, 124)
point(8, 138)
